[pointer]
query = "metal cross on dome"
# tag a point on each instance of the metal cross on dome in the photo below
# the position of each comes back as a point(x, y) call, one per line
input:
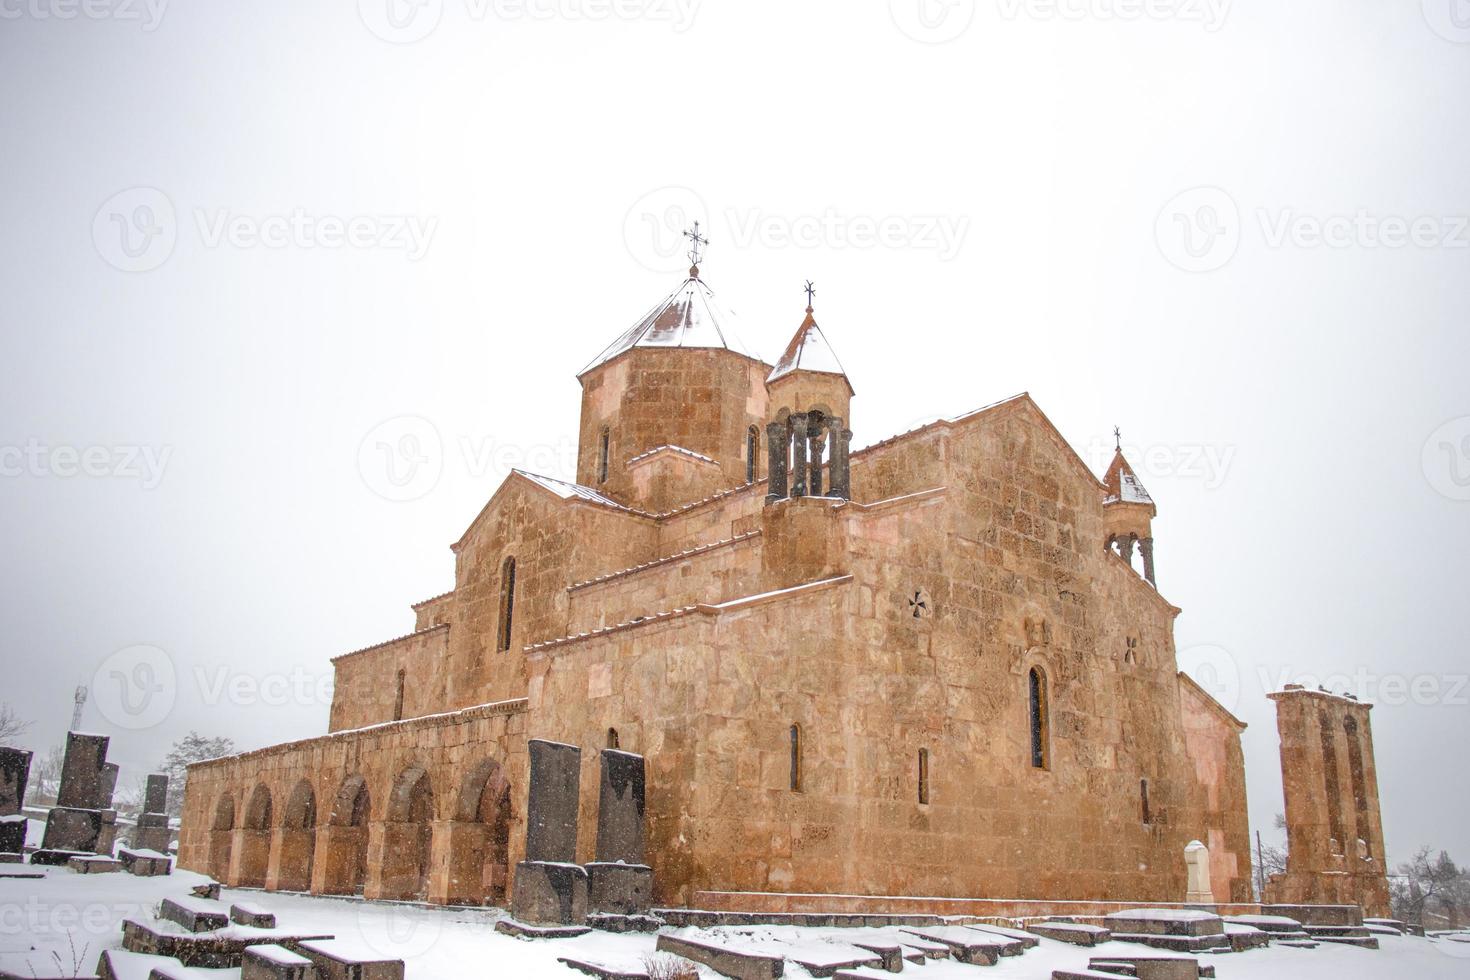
point(810, 292)
point(1118, 438)
point(696, 244)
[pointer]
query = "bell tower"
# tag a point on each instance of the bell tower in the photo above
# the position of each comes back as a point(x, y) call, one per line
point(809, 398)
point(1128, 513)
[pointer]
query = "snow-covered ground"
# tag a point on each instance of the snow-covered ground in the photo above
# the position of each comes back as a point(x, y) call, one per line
point(69, 918)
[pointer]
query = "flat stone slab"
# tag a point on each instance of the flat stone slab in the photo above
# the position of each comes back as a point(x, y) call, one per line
point(93, 864)
point(209, 890)
point(144, 863)
point(217, 950)
point(610, 922)
point(601, 970)
point(56, 857)
point(119, 964)
point(338, 960)
point(726, 960)
point(1149, 967)
point(194, 914)
point(246, 914)
point(1076, 933)
point(1026, 939)
point(1394, 924)
point(1165, 922)
point(526, 930)
point(969, 946)
point(272, 962)
point(1318, 915)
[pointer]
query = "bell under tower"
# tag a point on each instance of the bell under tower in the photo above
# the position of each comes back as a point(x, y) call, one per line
point(809, 399)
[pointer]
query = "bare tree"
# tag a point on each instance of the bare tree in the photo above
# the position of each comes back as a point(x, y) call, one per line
point(12, 726)
point(189, 749)
point(46, 776)
point(1430, 891)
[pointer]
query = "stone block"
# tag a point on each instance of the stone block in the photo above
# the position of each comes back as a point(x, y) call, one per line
point(722, 959)
point(15, 769)
point(245, 914)
point(551, 813)
point(1165, 922)
point(338, 960)
point(72, 829)
point(273, 962)
point(12, 857)
point(152, 833)
point(1076, 933)
point(620, 800)
point(107, 833)
point(549, 893)
point(93, 864)
point(194, 914)
point(155, 796)
point(82, 772)
point(107, 785)
point(1151, 967)
point(13, 833)
point(1318, 915)
point(143, 863)
point(209, 890)
point(620, 889)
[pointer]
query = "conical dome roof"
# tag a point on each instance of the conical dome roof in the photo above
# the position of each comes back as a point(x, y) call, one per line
point(1123, 484)
point(808, 351)
point(690, 316)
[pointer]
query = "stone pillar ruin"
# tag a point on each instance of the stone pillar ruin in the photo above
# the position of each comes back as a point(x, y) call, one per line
point(15, 769)
point(82, 771)
point(619, 882)
point(82, 820)
point(550, 888)
point(1331, 789)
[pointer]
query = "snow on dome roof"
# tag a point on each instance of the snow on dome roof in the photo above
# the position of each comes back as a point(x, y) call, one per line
point(1123, 484)
point(808, 351)
point(687, 317)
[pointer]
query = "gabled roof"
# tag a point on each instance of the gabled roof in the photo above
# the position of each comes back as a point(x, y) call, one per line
point(808, 351)
point(687, 317)
point(1123, 484)
point(560, 488)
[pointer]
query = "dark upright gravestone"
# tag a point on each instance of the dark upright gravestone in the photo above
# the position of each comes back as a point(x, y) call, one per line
point(82, 771)
point(550, 889)
point(618, 881)
point(15, 769)
point(106, 785)
point(155, 797)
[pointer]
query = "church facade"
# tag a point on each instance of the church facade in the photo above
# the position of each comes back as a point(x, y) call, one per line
point(935, 666)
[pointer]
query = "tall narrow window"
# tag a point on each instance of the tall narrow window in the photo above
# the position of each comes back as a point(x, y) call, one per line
point(613, 742)
point(1360, 784)
point(1039, 747)
point(603, 448)
point(1333, 786)
point(752, 447)
point(507, 603)
point(1148, 816)
point(923, 775)
point(796, 758)
point(398, 697)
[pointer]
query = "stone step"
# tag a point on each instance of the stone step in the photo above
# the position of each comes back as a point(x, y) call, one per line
point(272, 962)
point(525, 930)
point(1152, 967)
point(1395, 924)
point(1026, 939)
point(970, 946)
point(596, 968)
point(93, 864)
point(247, 914)
point(194, 914)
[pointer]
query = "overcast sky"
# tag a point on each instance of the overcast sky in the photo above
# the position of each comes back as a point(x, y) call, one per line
point(245, 247)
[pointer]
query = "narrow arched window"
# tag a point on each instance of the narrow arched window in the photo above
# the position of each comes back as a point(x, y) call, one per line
point(796, 758)
point(398, 697)
point(1148, 816)
point(1039, 748)
point(604, 446)
point(752, 447)
point(613, 741)
point(507, 603)
point(924, 776)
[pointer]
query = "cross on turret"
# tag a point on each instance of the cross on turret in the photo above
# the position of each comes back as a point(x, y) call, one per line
point(696, 248)
point(810, 292)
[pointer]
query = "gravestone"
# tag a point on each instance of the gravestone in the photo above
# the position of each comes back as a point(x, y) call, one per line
point(551, 813)
point(155, 797)
point(81, 771)
point(619, 883)
point(106, 785)
point(15, 769)
point(550, 888)
point(1197, 861)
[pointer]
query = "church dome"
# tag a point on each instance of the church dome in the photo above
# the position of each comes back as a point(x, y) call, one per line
point(689, 317)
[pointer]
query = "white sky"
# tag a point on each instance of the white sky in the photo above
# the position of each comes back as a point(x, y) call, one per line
point(1278, 404)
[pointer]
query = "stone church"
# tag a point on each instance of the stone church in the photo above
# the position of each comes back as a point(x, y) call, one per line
point(935, 666)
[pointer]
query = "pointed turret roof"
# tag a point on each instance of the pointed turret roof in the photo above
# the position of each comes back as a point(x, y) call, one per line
point(690, 316)
point(809, 351)
point(1123, 484)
